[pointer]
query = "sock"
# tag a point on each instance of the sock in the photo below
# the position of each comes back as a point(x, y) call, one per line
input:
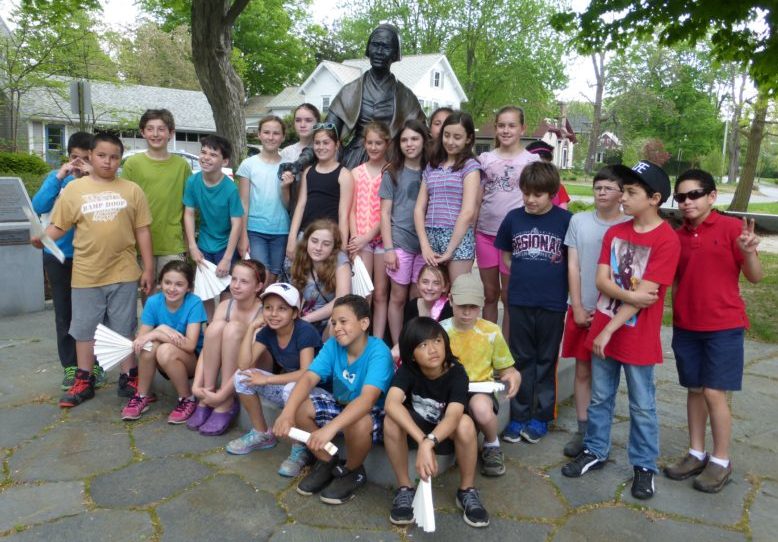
point(697, 453)
point(494, 444)
point(582, 426)
point(133, 372)
point(82, 374)
point(721, 462)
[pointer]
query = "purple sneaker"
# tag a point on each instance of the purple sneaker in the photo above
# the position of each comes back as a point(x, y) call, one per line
point(200, 416)
point(219, 422)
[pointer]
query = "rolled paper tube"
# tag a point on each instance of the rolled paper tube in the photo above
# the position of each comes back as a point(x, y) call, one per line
point(303, 436)
point(485, 387)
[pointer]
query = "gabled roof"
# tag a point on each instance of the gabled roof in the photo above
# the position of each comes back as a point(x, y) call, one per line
point(548, 125)
point(257, 105)
point(288, 98)
point(342, 73)
point(612, 136)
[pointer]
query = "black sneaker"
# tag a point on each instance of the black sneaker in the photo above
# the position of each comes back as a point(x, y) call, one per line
point(402, 506)
point(128, 386)
point(582, 464)
point(492, 461)
point(319, 477)
point(643, 483)
point(344, 485)
point(475, 514)
point(81, 390)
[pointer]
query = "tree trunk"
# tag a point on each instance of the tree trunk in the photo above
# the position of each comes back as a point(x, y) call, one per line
point(598, 61)
point(734, 135)
point(755, 136)
point(212, 22)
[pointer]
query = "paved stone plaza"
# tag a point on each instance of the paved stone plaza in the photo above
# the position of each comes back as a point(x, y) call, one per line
point(83, 474)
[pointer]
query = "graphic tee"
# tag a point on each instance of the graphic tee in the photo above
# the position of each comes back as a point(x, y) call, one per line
point(428, 399)
point(500, 185)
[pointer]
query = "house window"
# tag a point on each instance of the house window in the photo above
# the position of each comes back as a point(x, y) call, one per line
point(55, 144)
point(437, 79)
point(481, 148)
point(325, 104)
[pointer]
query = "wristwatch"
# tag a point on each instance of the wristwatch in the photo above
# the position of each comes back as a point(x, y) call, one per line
point(433, 438)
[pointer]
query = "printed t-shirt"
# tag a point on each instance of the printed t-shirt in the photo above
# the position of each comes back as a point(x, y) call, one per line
point(373, 368)
point(538, 257)
point(266, 212)
point(304, 335)
point(705, 300)
point(481, 350)
point(163, 183)
point(632, 257)
point(367, 204)
point(156, 313)
point(403, 196)
point(217, 205)
point(105, 215)
point(428, 399)
point(500, 184)
point(445, 188)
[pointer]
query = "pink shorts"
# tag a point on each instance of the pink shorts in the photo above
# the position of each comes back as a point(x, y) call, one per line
point(487, 255)
point(409, 266)
point(574, 339)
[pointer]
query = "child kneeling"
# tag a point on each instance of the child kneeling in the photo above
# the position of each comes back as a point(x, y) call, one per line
point(360, 368)
point(425, 408)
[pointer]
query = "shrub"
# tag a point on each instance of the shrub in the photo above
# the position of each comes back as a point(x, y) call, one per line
point(19, 163)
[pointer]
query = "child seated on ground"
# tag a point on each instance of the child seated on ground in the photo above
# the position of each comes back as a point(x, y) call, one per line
point(217, 407)
point(291, 342)
point(172, 320)
point(360, 369)
point(425, 409)
point(482, 350)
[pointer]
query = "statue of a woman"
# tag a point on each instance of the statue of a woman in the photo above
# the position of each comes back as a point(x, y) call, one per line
point(376, 95)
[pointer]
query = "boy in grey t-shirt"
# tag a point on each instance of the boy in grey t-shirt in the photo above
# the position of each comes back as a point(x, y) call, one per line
point(584, 240)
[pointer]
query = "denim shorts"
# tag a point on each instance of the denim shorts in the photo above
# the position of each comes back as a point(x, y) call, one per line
point(216, 257)
point(269, 249)
point(439, 239)
point(709, 359)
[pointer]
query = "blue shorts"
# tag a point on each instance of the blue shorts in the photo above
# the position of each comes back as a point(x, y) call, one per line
point(269, 249)
point(216, 257)
point(327, 409)
point(709, 359)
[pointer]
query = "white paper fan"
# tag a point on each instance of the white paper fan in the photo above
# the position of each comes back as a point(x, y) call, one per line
point(207, 285)
point(111, 348)
point(485, 387)
point(37, 230)
point(303, 436)
point(423, 509)
point(361, 284)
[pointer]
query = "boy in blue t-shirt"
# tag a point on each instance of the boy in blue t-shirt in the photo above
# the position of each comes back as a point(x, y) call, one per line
point(531, 239)
point(360, 369)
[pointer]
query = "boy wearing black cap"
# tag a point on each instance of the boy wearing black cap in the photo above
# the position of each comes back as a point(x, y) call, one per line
point(637, 264)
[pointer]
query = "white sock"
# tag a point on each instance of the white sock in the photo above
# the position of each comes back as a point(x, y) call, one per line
point(697, 453)
point(494, 444)
point(722, 462)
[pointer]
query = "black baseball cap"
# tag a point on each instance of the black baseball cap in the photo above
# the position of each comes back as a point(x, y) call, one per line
point(654, 177)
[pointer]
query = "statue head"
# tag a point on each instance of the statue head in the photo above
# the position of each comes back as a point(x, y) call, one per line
point(383, 46)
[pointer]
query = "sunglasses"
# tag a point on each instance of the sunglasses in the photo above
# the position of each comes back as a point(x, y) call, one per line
point(692, 195)
point(326, 126)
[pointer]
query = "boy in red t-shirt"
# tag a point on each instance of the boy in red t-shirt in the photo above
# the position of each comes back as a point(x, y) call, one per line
point(637, 264)
point(709, 321)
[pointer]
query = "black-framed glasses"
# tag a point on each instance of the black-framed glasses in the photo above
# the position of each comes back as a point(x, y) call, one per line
point(691, 194)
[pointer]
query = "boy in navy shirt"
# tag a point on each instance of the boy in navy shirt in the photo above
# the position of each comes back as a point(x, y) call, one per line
point(531, 239)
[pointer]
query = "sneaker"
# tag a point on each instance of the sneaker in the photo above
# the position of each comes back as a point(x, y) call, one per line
point(643, 483)
point(582, 464)
point(319, 477)
point(402, 506)
point(475, 514)
point(685, 468)
point(575, 445)
point(81, 390)
point(298, 458)
point(69, 377)
point(128, 386)
point(253, 440)
point(99, 375)
point(344, 485)
point(135, 407)
point(534, 431)
point(184, 409)
point(713, 477)
point(513, 431)
point(492, 461)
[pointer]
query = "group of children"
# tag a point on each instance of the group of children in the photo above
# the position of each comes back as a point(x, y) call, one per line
point(418, 213)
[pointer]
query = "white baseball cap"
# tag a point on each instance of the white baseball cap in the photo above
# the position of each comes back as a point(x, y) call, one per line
point(285, 291)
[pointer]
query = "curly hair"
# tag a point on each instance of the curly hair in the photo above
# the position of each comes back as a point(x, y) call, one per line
point(302, 266)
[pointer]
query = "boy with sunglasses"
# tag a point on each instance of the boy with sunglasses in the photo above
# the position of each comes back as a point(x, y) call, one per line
point(709, 321)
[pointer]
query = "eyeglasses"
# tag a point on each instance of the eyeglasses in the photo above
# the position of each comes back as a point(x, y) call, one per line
point(692, 195)
point(606, 189)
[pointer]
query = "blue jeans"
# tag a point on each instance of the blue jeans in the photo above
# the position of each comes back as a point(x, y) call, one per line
point(643, 448)
point(269, 249)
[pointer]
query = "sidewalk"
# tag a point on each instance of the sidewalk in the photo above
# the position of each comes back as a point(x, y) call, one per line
point(85, 475)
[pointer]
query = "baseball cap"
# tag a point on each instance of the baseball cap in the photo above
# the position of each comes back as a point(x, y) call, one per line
point(467, 290)
point(285, 291)
point(654, 177)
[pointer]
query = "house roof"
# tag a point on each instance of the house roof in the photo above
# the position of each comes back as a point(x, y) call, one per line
point(288, 98)
point(257, 105)
point(548, 125)
point(612, 136)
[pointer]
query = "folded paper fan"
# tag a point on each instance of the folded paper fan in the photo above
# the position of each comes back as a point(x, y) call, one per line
point(207, 285)
point(111, 348)
point(361, 284)
point(37, 230)
point(485, 387)
point(423, 510)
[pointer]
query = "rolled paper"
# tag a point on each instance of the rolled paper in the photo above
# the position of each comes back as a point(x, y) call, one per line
point(485, 387)
point(303, 436)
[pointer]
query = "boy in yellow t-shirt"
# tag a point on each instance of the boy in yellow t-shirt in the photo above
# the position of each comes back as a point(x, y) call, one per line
point(481, 348)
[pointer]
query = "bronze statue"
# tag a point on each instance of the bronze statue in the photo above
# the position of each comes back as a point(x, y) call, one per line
point(376, 95)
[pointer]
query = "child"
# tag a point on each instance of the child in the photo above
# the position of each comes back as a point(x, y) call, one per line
point(365, 218)
point(531, 241)
point(325, 190)
point(110, 217)
point(448, 198)
point(292, 344)
point(218, 407)
point(482, 350)
point(546, 153)
point(637, 264)
point(305, 117)
point(500, 185)
point(265, 199)
point(399, 190)
point(425, 409)
point(162, 176)
point(433, 299)
point(321, 272)
point(172, 321)
point(709, 320)
point(216, 198)
point(437, 119)
point(58, 274)
point(583, 241)
point(360, 368)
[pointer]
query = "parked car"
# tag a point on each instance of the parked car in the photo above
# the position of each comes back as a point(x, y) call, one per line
point(192, 160)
